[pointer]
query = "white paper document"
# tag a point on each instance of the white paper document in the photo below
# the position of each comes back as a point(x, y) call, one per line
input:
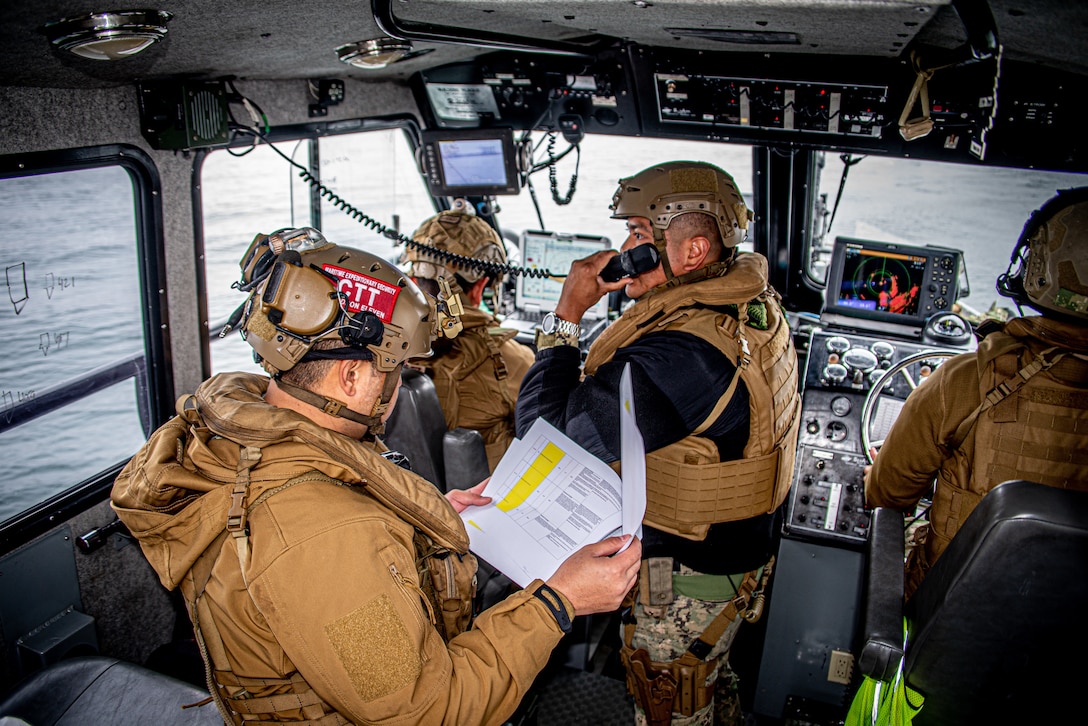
point(550, 497)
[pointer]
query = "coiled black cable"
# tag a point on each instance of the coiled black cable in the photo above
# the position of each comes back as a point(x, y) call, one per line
point(551, 172)
point(489, 267)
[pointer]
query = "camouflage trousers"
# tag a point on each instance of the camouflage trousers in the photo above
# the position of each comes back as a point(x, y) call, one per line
point(668, 637)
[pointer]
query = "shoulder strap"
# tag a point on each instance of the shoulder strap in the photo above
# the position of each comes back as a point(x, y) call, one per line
point(207, 635)
point(1003, 390)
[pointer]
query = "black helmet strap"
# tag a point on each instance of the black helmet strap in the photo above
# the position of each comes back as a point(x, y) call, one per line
point(374, 424)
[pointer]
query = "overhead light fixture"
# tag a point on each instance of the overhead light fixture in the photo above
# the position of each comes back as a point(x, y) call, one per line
point(109, 36)
point(378, 52)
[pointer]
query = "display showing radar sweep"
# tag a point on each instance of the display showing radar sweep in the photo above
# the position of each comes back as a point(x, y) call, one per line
point(889, 286)
point(881, 280)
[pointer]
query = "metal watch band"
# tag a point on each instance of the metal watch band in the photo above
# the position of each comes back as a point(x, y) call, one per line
point(552, 323)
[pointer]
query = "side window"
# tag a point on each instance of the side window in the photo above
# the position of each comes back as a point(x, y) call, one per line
point(72, 330)
point(604, 160)
point(372, 172)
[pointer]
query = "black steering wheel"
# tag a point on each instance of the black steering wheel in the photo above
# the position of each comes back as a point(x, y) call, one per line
point(900, 368)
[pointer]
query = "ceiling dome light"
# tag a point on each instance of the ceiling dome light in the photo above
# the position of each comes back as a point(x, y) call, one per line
point(109, 36)
point(377, 53)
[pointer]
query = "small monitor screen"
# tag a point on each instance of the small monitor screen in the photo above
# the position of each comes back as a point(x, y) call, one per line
point(889, 283)
point(555, 252)
point(881, 280)
point(470, 162)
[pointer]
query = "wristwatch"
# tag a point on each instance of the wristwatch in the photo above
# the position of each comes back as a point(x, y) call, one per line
point(551, 324)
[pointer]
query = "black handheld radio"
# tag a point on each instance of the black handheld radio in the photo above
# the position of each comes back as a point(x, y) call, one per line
point(633, 262)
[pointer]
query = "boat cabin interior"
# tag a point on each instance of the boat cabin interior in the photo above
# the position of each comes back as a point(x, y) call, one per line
point(143, 148)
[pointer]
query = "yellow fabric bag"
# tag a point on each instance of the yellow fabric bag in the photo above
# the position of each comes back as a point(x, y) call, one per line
point(885, 704)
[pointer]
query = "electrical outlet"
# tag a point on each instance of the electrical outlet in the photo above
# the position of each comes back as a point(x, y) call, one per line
point(841, 668)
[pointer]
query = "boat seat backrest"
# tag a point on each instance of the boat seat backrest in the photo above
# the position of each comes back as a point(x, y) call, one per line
point(454, 459)
point(101, 690)
point(998, 628)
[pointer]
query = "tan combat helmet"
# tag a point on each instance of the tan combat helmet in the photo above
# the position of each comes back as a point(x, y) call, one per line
point(456, 242)
point(304, 289)
point(664, 191)
point(1052, 254)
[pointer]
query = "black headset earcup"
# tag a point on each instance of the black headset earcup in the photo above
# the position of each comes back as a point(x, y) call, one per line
point(362, 329)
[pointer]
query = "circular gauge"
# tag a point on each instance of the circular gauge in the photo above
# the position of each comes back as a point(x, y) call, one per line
point(840, 405)
point(859, 359)
point(838, 344)
point(882, 349)
point(835, 373)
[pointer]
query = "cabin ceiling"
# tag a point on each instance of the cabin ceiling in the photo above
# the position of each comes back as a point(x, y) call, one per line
point(286, 39)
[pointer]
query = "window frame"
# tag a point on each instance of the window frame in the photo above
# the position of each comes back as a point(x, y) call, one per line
point(150, 262)
point(281, 134)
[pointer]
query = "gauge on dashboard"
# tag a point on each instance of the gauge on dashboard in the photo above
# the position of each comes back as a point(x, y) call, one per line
point(859, 359)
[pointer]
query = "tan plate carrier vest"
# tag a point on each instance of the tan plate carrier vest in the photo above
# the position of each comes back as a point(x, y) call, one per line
point(687, 487)
point(1030, 425)
point(477, 346)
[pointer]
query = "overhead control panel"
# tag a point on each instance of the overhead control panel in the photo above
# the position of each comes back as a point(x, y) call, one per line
point(529, 92)
point(716, 101)
point(746, 97)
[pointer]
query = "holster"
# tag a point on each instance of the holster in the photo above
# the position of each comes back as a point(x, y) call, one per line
point(662, 689)
point(680, 686)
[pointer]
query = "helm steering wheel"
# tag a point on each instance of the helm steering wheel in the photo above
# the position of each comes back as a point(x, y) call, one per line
point(900, 368)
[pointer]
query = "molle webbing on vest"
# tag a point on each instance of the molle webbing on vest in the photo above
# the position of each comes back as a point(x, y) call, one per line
point(234, 695)
point(448, 579)
point(471, 382)
point(1031, 424)
point(688, 489)
point(291, 697)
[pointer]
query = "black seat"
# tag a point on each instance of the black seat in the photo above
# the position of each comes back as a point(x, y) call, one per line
point(998, 630)
point(454, 459)
point(100, 690)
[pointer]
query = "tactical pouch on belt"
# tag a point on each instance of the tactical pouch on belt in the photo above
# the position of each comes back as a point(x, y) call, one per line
point(680, 686)
point(655, 585)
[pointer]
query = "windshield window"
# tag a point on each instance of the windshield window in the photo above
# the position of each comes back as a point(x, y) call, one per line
point(978, 210)
point(261, 191)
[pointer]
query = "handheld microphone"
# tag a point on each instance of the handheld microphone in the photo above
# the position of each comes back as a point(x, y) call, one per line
point(633, 262)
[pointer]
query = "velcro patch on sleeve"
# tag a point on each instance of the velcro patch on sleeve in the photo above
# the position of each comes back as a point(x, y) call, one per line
point(375, 649)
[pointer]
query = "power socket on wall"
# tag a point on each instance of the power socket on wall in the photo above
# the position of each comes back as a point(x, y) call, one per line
point(841, 667)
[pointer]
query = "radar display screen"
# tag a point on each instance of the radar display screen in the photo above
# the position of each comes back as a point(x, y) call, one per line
point(882, 284)
point(879, 280)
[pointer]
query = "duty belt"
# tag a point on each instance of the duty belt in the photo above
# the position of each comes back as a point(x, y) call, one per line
point(679, 686)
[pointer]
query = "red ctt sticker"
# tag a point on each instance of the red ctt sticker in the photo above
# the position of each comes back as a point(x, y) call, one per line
point(361, 292)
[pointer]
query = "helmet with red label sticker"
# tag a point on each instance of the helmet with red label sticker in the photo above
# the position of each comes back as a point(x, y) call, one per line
point(304, 289)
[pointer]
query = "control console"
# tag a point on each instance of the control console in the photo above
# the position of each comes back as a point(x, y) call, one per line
point(827, 500)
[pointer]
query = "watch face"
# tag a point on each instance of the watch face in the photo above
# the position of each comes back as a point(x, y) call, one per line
point(547, 324)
